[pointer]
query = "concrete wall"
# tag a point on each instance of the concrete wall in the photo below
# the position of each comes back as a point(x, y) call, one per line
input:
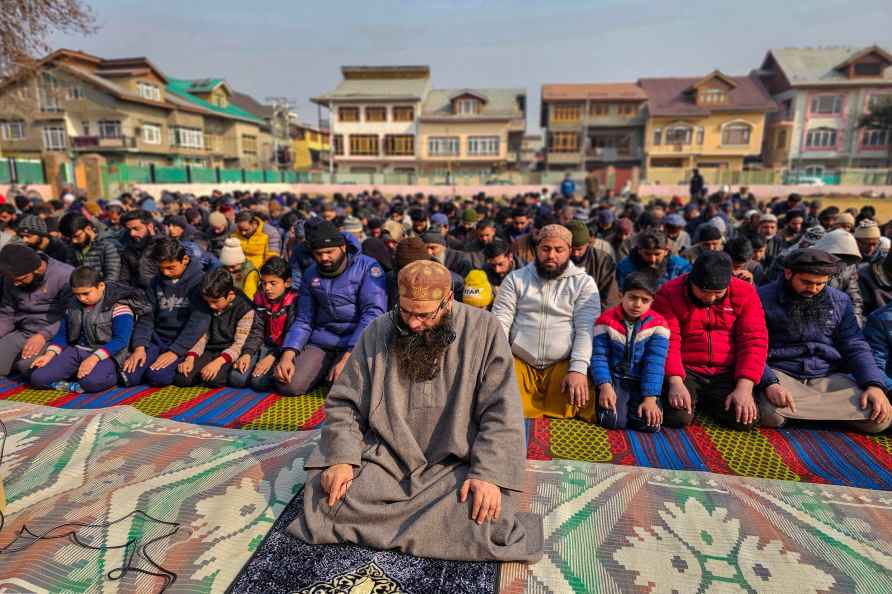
point(767, 192)
point(388, 190)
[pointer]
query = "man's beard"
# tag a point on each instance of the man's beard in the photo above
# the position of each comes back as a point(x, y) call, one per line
point(36, 283)
point(547, 274)
point(419, 354)
point(579, 260)
point(333, 268)
point(806, 312)
point(440, 257)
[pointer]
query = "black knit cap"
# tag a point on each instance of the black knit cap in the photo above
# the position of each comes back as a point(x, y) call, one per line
point(324, 235)
point(711, 271)
point(812, 261)
point(18, 260)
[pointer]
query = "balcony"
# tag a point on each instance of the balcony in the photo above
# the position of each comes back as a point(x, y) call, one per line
point(99, 143)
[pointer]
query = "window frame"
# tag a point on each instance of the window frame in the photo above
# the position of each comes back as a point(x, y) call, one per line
point(357, 149)
point(249, 144)
point(565, 112)
point(467, 106)
point(870, 134)
point(392, 144)
point(104, 126)
point(820, 132)
point(435, 146)
point(348, 109)
point(60, 133)
point(155, 138)
point(377, 109)
point(814, 104)
point(742, 127)
point(185, 137)
point(338, 141)
point(148, 91)
point(564, 146)
point(7, 126)
point(484, 146)
point(403, 113)
point(675, 128)
point(599, 109)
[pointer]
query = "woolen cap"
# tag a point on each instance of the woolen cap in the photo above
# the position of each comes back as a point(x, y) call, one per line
point(477, 291)
point(18, 260)
point(770, 218)
point(711, 271)
point(439, 219)
point(844, 218)
point(33, 224)
point(556, 232)
point(812, 261)
point(325, 235)
point(433, 237)
point(866, 229)
point(392, 228)
point(232, 253)
point(580, 232)
point(674, 220)
point(469, 215)
point(409, 250)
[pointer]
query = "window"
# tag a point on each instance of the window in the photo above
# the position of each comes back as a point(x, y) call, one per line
point(876, 101)
point(787, 109)
point(565, 113)
point(54, 138)
point(821, 138)
point(399, 145)
point(403, 114)
point(877, 137)
point(658, 136)
point(868, 69)
point(781, 139)
point(85, 127)
point(151, 133)
point(348, 114)
point(627, 109)
point(187, 137)
point(563, 142)
point(14, 130)
point(110, 129)
point(364, 145)
point(376, 114)
point(599, 109)
point(339, 144)
point(621, 143)
point(49, 93)
point(483, 145)
point(147, 91)
point(467, 106)
point(712, 96)
point(75, 92)
point(699, 135)
point(736, 134)
point(249, 143)
point(826, 104)
point(442, 146)
point(679, 135)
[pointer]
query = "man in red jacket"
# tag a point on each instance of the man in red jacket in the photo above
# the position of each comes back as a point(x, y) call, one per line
point(718, 344)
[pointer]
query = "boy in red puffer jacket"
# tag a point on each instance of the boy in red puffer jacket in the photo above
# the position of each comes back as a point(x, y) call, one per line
point(276, 305)
point(718, 344)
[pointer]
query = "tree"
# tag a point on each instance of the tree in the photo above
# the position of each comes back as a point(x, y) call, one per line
point(25, 26)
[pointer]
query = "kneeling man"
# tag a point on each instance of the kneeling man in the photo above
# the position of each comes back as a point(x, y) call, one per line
point(819, 365)
point(423, 447)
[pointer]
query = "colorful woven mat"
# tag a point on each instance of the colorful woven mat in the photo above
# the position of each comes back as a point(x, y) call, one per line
point(613, 529)
point(149, 500)
point(221, 407)
point(801, 453)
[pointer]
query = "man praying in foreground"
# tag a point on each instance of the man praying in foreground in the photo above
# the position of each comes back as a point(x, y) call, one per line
point(423, 446)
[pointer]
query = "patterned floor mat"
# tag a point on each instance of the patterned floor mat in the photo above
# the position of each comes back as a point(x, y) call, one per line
point(283, 564)
point(225, 488)
point(612, 529)
point(223, 407)
point(802, 453)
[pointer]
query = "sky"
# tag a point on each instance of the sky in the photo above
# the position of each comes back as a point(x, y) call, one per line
point(295, 48)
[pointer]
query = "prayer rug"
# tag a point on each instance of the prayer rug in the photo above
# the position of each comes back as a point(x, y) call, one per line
point(806, 452)
point(221, 407)
point(284, 564)
point(612, 529)
point(148, 499)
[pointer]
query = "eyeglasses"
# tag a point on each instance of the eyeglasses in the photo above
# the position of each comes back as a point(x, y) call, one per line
point(421, 317)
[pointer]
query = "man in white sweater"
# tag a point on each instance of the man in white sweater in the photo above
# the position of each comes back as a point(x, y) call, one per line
point(548, 310)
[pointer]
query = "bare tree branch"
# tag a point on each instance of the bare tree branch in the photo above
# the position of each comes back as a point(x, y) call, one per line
point(26, 25)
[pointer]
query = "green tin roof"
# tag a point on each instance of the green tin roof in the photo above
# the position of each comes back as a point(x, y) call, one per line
point(184, 88)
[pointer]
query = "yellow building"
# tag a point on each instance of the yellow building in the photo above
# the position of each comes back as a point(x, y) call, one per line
point(310, 147)
point(714, 124)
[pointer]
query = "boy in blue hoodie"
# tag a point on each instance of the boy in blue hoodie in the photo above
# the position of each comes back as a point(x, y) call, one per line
point(178, 317)
point(631, 343)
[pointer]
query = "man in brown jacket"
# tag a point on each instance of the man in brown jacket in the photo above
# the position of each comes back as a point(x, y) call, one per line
point(598, 264)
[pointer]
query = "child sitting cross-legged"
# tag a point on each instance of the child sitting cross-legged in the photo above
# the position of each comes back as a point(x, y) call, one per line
point(94, 336)
point(210, 360)
point(631, 343)
point(276, 306)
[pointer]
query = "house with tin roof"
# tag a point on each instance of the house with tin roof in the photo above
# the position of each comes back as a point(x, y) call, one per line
point(389, 119)
point(598, 128)
point(713, 123)
point(822, 92)
point(126, 110)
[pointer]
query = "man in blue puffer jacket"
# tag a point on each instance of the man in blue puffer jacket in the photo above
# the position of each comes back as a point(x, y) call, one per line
point(819, 365)
point(341, 294)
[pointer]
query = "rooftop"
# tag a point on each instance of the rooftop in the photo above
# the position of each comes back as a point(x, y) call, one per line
point(595, 91)
point(673, 97)
point(182, 89)
point(820, 65)
point(497, 103)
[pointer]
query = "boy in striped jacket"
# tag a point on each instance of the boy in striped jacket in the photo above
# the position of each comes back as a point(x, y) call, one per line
point(631, 343)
